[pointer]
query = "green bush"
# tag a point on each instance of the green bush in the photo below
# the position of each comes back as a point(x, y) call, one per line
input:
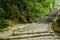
point(58, 20)
point(24, 11)
point(56, 24)
point(3, 23)
point(1, 12)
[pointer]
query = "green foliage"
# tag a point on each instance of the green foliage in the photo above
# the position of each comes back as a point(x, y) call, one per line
point(3, 23)
point(24, 10)
point(1, 12)
point(56, 21)
point(56, 24)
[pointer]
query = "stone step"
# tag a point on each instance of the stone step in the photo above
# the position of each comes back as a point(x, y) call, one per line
point(25, 33)
point(37, 39)
point(32, 35)
point(34, 27)
point(34, 38)
point(28, 38)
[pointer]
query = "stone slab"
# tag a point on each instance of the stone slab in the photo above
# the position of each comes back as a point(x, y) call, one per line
point(34, 27)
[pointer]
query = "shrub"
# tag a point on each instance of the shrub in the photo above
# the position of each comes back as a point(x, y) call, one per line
point(56, 25)
point(1, 12)
point(3, 23)
point(24, 10)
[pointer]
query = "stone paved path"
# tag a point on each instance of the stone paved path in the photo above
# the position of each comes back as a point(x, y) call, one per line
point(31, 32)
point(34, 31)
point(47, 18)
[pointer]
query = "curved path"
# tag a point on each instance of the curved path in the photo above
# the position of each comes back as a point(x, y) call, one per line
point(35, 31)
point(47, 18)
